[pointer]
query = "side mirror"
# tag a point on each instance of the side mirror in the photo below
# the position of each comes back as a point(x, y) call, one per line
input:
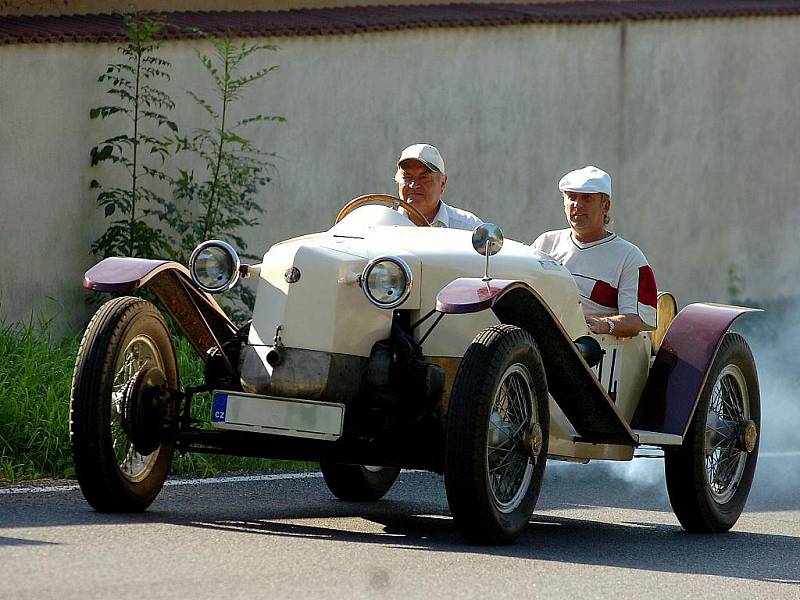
point(487, 239)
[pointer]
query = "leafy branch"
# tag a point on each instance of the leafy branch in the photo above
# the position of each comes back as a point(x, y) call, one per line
point(143, 107)
point(215, 194)
point(223, 194)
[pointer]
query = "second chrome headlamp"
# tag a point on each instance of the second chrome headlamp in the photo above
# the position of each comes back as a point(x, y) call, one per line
point(386, 281)
point(214, 266)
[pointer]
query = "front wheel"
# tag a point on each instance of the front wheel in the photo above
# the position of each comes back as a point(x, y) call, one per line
point(497, 435)
point(358, 483)
point(710, 474)
point(117, 411)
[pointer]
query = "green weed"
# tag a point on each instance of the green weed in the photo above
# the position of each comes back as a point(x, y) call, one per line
point(35, 379)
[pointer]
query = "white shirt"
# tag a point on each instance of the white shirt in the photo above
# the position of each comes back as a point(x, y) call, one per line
point(612, 275)
point(455, 218)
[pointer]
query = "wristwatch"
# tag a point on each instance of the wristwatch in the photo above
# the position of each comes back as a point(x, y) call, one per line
point(610, 324)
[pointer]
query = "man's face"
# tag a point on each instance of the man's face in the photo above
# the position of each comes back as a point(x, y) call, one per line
point(586, 214)
point(421, 187)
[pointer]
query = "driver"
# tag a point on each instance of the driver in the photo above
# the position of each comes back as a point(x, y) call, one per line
point(616, 285)
point(421, 179)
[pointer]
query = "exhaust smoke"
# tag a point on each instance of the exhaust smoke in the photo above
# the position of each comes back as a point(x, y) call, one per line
point(773, 338)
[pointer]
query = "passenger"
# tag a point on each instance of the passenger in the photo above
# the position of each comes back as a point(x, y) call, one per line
point(421, 179)
point(616, 284)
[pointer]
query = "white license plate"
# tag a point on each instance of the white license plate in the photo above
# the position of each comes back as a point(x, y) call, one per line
point(277, 416)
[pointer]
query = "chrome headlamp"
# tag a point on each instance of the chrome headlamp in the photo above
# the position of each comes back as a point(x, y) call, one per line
point(214, 266)
point(386, 281)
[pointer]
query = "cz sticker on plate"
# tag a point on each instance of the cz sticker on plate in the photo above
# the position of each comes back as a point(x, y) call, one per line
point(218, 407)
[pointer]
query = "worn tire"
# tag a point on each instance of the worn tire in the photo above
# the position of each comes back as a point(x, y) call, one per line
point(709, 476)
point(358, 483)
point(485, 437)
point(133, 330)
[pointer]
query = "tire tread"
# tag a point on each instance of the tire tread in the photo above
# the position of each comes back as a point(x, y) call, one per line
point(97, 473)
point(465, 479)
point(684, 469)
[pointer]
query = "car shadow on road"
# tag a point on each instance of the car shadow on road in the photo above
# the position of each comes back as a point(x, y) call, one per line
point(424, 524)
point(406, 520)
point(415, 516)
point(629, 545)
point(11, 541)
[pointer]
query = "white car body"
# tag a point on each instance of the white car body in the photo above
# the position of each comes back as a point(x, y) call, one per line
point(327, 311)
point(381, 343)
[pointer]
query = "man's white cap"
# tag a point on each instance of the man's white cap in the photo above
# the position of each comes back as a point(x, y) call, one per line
point(426, 154)
point(588, 180)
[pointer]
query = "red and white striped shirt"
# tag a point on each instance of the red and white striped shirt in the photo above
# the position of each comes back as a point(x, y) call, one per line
point(612, 274)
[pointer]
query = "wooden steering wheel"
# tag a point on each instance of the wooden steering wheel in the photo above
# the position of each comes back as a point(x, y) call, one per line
point(414, 214)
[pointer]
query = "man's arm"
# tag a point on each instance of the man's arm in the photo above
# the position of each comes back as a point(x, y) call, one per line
point(636, 298)
point(623, 325)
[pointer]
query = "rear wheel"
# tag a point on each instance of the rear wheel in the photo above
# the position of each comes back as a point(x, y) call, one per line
point(358, 483)
point(497, 434)
point(117, 411)
point(709, 476)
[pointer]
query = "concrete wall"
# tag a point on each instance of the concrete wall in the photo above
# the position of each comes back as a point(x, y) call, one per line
point(696, 120)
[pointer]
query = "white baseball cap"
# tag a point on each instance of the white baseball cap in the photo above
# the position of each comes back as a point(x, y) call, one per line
point(426, 154)
point(588, 180)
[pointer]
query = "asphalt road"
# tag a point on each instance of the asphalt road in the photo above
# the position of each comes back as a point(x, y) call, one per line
point(599, 531)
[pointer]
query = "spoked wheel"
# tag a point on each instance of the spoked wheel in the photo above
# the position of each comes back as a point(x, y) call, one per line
point(358, 483)
point(120, 403)
point(497, 433)
point(710, 475)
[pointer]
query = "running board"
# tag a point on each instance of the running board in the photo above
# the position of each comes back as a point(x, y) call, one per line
point(655, 438)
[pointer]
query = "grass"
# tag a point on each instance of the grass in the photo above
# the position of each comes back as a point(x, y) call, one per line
point(35, 379)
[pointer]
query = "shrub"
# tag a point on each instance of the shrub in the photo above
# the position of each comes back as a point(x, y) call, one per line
point(141, 107)
point(35, 376)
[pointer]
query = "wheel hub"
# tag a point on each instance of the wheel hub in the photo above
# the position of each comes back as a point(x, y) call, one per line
point(142, 410)
point(749, 436)
point(534, 441)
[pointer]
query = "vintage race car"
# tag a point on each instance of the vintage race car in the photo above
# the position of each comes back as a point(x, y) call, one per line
point(379, 345)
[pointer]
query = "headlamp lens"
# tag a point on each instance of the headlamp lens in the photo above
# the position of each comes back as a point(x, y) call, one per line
point(387, 282)
point(214, 266)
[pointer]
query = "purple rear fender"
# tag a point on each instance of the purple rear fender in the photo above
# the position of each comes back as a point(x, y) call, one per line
point(197, 313)
point(681, 367)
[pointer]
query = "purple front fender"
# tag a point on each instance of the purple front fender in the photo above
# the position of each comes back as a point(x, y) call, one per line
point(197, 313)
point(123, 275)
point(468, 295)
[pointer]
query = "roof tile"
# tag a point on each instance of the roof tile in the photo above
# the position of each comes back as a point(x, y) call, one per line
point(332, 21)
